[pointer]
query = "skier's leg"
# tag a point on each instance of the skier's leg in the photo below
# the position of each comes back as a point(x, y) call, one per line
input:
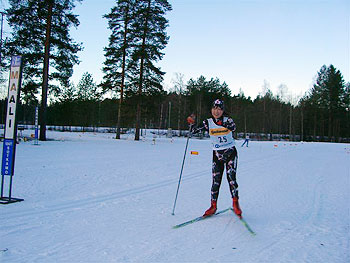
point(231, 168)
point(217, 171)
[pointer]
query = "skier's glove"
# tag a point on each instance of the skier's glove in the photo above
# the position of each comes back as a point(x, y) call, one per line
point(192, 128)
point(229, 124)
point(191, 120)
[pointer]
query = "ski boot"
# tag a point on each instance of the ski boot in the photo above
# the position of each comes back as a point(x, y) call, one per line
point(211, 210)
point(236, 207)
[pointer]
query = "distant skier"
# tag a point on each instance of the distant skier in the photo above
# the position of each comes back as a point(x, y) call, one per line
point(220, 128)
point(246, 140)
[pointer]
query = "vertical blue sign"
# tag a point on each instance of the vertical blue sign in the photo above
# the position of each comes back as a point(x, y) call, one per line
point(16, 61)
point(36, 133)
point(7, 157)
point(36, 125)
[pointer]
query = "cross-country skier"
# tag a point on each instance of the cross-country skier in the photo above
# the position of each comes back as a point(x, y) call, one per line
point(246, 141)
point(220, 128)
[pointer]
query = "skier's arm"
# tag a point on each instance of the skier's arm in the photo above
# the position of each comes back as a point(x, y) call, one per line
point(229, 124)
point(203, 126)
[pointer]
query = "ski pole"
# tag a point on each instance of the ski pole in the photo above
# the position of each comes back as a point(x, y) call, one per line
point(182, 167)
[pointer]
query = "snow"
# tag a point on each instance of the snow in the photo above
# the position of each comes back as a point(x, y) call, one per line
point(91, 198)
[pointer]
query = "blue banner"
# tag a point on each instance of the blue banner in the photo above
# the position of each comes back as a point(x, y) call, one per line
point(8, 157)
point(36, 125)
point(16, 61)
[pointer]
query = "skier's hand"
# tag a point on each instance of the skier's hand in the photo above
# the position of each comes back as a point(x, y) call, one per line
point(192, 128)
point(229, 124)
point(191, 120)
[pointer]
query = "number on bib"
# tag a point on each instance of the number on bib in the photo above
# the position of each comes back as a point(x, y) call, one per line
point(222, 139)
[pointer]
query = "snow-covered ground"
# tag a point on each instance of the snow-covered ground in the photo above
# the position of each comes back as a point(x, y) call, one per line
point(90, 198)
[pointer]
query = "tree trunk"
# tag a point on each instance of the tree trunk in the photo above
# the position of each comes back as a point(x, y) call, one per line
point(45, 73)
point(290, 123)
point(139, 93)
point(264, 117)
point(302, 125)
point(199, 108)
point(161, 118)
point(330, 126)
point(179, 114)
point(315, 124)
point(138, 110)
point(123, 75)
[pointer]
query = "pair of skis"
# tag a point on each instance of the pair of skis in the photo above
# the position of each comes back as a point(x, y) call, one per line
point(217, 213)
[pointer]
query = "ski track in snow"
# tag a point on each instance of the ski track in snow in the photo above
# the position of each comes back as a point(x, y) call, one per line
point(89, 198)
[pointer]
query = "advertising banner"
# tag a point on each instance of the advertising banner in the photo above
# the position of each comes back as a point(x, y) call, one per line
point(9, 145)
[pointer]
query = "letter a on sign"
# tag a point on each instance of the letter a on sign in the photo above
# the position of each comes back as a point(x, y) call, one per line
point(12, 100)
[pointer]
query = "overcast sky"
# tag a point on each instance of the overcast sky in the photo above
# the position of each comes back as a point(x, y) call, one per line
point(243, 43)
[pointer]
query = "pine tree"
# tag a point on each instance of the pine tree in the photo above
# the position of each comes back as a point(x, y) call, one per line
point(328, 92)
point(40, 33)
point(69, 94)
point(151, 38)
point(87, 89)
point(325, 104)
point(118, 51)
point(346, 97)
point(88, 100)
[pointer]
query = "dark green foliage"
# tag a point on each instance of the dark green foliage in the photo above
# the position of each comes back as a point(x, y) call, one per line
point(150, 39)
point(327, 105)
point(201, 93)
point(87, 89)
point(28, 22)
point(118, 52)
point(40, 33)
point(135, 45)
point(79, 105)
point(83, 113)
point(267, 116)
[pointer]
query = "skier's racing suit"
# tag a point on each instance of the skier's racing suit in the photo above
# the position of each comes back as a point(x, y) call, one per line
point(224, 152)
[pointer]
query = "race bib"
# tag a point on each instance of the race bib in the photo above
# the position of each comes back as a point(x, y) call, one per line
point(221, 137)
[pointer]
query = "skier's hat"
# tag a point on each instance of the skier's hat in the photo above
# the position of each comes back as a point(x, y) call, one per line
point(218, 103)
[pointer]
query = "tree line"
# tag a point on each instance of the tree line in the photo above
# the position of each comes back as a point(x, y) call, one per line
point(322, 114)
point(131, 94)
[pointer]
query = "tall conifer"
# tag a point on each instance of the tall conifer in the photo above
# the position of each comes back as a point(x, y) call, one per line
point(327, 94)
point(118, 51)
point(40, 33)
point(151, 38)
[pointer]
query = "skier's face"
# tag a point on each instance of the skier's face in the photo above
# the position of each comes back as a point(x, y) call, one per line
point(216, 112)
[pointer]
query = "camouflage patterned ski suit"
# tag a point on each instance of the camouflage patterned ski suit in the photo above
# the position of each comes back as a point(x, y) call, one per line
point(221, 159)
